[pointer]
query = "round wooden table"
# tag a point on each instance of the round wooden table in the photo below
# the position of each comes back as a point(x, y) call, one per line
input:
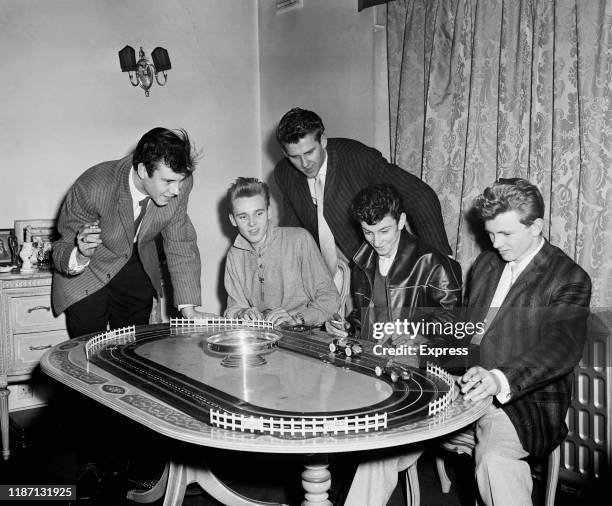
point(67, 362)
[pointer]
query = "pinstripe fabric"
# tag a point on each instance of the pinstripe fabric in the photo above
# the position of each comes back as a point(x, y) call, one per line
point(535, 339)
point(352, 166)
point(102, 193)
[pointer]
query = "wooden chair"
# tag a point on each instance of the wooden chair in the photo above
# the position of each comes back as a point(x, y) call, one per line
point(413, 493)
point(343, 284)
point(463, 442)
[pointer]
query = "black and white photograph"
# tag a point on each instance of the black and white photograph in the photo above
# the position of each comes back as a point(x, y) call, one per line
point(5, 250)
point(306, 252)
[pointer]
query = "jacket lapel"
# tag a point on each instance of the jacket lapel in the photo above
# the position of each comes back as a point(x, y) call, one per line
point(365, 258)
point(331, 178)
point(126, 213)
point(483, 288)
point(303, 193)
point(524, 283)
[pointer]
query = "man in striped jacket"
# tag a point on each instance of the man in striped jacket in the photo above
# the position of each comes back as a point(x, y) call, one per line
point(106, 263)
point(534, 301)
point(343, 167)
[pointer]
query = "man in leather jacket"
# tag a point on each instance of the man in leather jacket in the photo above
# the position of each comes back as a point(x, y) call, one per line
point(396, 278)
point(396, 275)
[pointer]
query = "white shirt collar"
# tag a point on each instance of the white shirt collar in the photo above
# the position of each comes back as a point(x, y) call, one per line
point(323, 170)
point(136, 194)
point(322, 174)
point(384, 263)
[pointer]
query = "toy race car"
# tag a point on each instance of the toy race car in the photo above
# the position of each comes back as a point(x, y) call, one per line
point(394, 370)
point(348, 347)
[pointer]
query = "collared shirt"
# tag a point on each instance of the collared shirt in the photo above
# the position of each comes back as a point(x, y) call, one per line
point(385, 263)
point(137, 196)
point(287, 272)
point(522, 265)
point(504, 394)
point(322, 174)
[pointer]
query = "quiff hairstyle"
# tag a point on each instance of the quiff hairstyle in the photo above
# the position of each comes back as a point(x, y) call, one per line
point(297, 124)
point(247, 187)
point(170, 147)
point(514, 194)
point(375, 202)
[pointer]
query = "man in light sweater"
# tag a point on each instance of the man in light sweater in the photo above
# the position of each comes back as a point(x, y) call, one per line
point(273, 273)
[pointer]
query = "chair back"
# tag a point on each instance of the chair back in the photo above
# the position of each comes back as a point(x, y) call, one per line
point(343, 284)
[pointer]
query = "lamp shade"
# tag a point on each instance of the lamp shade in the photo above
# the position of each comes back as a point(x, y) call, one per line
point(127, 59)
point(161, 60)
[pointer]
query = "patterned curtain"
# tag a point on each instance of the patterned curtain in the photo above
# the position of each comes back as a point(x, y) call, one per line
point(481, 89)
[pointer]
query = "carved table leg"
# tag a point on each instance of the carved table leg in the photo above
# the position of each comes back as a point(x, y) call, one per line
point(316, 480)
point(177, 475)
point(152, 495)
point(4, 418)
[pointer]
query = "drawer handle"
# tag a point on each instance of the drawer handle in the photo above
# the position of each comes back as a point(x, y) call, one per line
point(38, 348)
point(36, 308)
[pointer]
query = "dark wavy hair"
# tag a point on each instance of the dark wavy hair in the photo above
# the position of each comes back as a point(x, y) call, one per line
point(247, 187)
point(375, 202)
point(170, 147)
point(514, 194)
point(297, 124)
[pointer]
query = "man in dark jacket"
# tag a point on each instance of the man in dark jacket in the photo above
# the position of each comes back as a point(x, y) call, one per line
point(396, 275)
point(397, 278)
point(534, 301)
point(319, 177)
point(106, 264)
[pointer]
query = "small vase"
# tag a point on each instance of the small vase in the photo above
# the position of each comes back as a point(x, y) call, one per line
point(26, 253)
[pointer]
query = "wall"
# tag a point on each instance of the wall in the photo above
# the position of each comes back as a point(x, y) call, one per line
point(320, 56)
point(66, 105)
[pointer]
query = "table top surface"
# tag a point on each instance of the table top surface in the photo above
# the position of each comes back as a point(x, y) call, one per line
point(286, 382)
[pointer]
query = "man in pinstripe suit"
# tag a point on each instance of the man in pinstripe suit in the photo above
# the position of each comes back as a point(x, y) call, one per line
point(534, 301)
point(106, 261)
point(346, 166)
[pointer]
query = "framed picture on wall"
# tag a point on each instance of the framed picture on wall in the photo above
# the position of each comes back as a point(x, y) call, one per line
point(6, 256)
point(44, 231)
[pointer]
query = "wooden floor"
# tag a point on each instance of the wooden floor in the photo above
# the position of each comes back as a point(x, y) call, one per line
point(51, 458)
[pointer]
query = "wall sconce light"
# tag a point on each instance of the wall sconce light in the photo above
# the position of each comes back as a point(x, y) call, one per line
point(141, 72)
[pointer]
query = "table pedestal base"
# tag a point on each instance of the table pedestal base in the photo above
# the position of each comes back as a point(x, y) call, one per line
point(316, 480)
point(177, 475)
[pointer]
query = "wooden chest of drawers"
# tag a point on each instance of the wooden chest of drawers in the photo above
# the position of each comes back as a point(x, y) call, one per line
point(27, 329)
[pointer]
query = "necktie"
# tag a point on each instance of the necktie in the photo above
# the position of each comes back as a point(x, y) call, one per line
point(143, 209)
point(326, 238)
point(503, 287)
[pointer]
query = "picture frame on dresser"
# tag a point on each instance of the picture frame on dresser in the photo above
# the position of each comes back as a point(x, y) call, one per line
point(45, 229)
point(6, 254)
point(42, 233)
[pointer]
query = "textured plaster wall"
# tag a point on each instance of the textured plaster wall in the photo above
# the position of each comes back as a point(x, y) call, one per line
point(65, 105)
point(237, 67)
point(320, 57)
